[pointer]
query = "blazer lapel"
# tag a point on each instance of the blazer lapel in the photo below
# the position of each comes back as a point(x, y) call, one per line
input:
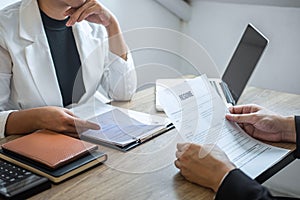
point(38, 53)
point(91, 53)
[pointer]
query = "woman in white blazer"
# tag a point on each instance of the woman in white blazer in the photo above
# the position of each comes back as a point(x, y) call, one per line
point(30, 97)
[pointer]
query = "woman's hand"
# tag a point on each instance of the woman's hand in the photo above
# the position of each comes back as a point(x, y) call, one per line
point(263, 124)
point(61, 120)
point(94, 12)
point(91, 11)
point(51, 118)
point(204, 165)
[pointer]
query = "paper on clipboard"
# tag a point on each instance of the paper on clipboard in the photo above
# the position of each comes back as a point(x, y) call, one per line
point(122, 129)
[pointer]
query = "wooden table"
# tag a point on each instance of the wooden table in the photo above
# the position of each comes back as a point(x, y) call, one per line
point(148, 172)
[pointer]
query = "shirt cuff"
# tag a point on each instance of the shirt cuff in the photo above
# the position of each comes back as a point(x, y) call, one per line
point(122, 77)
point(115, 58)
point(3, 119)
point(237, 185)
point(222, 181)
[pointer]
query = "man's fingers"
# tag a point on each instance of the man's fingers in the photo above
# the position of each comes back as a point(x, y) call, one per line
point(244, 109)
point(238, 109)
point(177, 164)
point(183, 146)
point(179, 154)
point(241, 118)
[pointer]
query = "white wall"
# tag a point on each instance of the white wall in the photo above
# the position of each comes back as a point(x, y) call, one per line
point(142, 13)
point(218, 27)
point(150, 63)
point(284, 3)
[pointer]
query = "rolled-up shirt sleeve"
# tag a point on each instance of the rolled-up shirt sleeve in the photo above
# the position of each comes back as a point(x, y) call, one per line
point(3, 118)
point(119, 77)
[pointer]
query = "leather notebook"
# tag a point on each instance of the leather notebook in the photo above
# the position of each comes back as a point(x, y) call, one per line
point(62, 173)
point(49, 148)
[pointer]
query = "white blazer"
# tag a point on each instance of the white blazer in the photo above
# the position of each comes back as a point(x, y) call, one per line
point(27, 73)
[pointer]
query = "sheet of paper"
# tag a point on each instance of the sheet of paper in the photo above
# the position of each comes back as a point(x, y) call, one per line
point(198, 113)
point(91, 108)
point(94, 107)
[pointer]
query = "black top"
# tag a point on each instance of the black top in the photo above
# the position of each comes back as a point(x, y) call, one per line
point(238, 185)
point(65, 57)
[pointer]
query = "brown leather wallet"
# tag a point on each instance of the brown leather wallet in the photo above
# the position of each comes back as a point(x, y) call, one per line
point(49, 148)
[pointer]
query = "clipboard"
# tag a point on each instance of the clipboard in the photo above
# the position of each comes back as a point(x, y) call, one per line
point(267, 174)
point(124, 130)
point(131, 145)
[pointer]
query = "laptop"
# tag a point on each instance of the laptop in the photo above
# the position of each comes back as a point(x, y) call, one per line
point(241, 65)
point(239, 70)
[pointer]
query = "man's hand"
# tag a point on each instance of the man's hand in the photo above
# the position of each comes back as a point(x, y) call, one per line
point(204, 165)
point(262, 124)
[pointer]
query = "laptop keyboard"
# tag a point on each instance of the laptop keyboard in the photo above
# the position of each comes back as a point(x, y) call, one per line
point(12, 174)
point(16, 182)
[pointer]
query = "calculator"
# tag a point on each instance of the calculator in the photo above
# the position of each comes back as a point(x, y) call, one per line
point(19, 183)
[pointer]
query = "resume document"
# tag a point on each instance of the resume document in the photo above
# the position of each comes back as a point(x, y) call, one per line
point(198, 114)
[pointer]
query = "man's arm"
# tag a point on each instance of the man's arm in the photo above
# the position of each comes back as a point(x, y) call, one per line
point(238, 185)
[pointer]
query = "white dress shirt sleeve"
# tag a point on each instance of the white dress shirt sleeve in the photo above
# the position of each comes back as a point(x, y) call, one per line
point(119, 77)
point(5, 78)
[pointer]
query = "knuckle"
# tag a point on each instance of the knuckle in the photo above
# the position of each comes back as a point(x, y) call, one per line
point(64, 120)
point(189, 147)
point(94, 2)
point(62, 128)
point(237, 117)
point(184, 172)
point(255, 116)
point(185, 159)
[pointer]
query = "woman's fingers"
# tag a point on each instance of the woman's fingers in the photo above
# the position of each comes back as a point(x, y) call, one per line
point(80, 123)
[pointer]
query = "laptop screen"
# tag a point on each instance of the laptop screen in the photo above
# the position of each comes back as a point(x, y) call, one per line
point(244, 60)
